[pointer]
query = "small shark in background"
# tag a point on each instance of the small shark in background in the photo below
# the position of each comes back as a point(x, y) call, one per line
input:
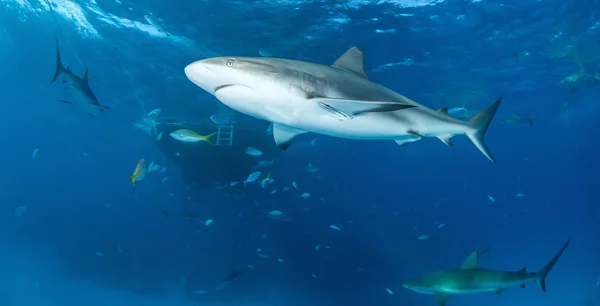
point(580, 79)
point(565, 107)
point(149, 122)
point(233, 275)
point(461, 113)
point(337, 100)
point(514, 118)
point(470, 278)
point(230, 278)
point(79, 86)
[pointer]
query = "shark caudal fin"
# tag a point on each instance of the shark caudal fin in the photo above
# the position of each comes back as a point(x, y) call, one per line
point(543, 272)
point(479, 125)
point(59, 66)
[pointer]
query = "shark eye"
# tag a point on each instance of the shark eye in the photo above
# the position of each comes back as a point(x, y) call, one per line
point(230, 63)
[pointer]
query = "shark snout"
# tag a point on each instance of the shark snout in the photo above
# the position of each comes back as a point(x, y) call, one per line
point(201, 75)
point(414, 286)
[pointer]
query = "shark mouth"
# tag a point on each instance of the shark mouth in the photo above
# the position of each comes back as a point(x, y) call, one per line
point(223, 86)
point(229, 85)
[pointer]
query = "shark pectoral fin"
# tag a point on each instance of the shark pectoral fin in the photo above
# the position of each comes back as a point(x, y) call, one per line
point(441, 298)
point(403, 142)
point(406, 140)
point(523, 286)
point(284, 135)
point(446, 139)
point(524, 270)
point(352, 61)
point(344, 108)
point(336, 113)
point(499, 291)
point(64, 101)
point(471, 261)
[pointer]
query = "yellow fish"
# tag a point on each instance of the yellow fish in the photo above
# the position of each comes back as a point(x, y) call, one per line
point(185, 135)
point(266, 180)
point(139, 173)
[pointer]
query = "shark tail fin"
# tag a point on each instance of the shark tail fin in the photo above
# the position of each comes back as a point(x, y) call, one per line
point(479, 125)
point(59, 66)
point(543, 273)
point(531, 121)
point(207, 139)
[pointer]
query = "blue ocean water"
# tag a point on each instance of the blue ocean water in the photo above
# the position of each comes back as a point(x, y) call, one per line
point(75, 232)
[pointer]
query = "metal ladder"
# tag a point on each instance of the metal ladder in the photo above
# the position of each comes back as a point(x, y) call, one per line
point(225, 135)
point(225, 131)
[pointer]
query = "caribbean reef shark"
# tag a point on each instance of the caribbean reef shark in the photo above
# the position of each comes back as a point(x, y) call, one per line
point(337, 100)
point(470, 278)
point(79, 86)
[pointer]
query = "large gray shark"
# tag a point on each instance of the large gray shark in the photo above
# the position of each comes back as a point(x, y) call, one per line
point(79, 87)
point(470, 278)
point(336, 100)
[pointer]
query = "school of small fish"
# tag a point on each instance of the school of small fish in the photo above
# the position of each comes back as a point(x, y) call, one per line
point(255, 177)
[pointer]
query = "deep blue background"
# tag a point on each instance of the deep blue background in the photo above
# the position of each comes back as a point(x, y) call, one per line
point(79, 200)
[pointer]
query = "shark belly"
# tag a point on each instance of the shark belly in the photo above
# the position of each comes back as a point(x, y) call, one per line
point(270, 103)
point(365, 126)
point(481, 280)
point(455, 291)
point(84, 102)
point(284, 106)
point(406, 125)
point(278, 106)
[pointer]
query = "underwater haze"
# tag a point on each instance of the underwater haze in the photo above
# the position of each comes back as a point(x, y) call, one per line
point(126, 183)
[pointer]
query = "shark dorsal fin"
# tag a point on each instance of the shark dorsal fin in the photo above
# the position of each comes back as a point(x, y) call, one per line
point(444, 111)
point(523, 270)
point(471, 261)
point(85, 76)
point(352, 61)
